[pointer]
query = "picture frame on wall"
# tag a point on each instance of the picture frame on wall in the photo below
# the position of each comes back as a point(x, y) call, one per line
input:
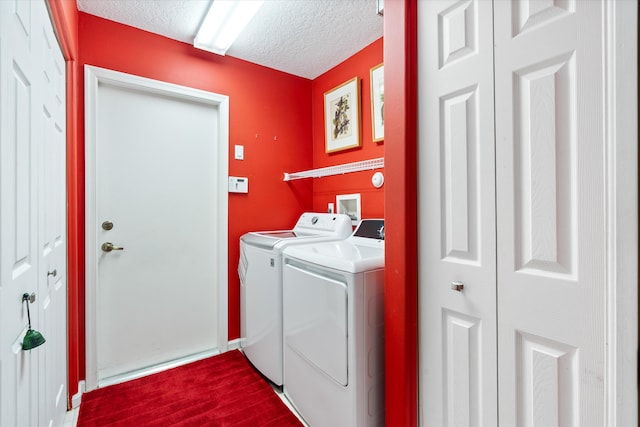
point(377, 103)
point(342, 116)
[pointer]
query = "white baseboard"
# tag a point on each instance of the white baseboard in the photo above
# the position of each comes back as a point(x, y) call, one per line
point(76, 399)
point(234, 344)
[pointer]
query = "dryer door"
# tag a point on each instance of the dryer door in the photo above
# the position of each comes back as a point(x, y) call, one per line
point(315, 319)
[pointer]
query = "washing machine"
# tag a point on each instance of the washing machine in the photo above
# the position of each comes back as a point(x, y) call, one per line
point(334, 329)
point(260, 271)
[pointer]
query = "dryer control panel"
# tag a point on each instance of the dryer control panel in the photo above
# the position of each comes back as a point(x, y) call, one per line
point(370, 229)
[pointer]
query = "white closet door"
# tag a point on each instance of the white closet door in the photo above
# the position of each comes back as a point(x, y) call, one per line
point(32, 216)
point(550, 200)
point(458, 377)
point(18, 211)
point(52, 230)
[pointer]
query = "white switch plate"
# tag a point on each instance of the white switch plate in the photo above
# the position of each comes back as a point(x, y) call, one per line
point(239, 153)
point(238, 184)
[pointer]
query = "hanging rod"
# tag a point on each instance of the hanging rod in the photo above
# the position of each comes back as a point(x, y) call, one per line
point(362, 165)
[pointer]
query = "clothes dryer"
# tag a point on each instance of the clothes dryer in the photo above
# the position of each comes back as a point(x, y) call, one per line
point(260, 271)
point(334, 329)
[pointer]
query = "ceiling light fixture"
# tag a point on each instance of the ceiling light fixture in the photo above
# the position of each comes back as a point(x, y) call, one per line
point(224, 21)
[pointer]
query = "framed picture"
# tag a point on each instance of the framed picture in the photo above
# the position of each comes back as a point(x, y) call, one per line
point(377, 102)
point(342, 116)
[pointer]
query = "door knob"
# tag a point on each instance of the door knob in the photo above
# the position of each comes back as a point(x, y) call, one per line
point(108, 247)
point(457, 286)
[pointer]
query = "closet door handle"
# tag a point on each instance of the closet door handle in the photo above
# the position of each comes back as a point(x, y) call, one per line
point(457, 286)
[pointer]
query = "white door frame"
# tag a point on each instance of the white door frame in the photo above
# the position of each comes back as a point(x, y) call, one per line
point(620, 26)
point(93, 77)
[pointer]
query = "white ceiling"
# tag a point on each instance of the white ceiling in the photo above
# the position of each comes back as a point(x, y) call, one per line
point(300, 37)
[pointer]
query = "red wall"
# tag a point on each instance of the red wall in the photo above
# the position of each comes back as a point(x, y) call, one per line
point(401, 259)
point(326, 189)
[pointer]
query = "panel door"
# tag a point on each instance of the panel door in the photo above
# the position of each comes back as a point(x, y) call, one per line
point(550, 199)
point(18, 211)
point(52, 235)
point(32, 216)
point(458, 378)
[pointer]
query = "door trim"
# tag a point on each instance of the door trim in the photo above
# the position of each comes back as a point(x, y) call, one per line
point(620, 66)
point(94, 76)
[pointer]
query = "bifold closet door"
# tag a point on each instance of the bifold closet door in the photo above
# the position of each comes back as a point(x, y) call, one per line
point(33, 249)
point(457, 249)
point(511, 247)
point(550, 212)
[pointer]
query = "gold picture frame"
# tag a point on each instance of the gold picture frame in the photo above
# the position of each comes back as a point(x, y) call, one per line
point(342, 116)
point(377, 103)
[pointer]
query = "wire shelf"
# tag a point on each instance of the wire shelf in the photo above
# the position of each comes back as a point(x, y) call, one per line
point(362, 165)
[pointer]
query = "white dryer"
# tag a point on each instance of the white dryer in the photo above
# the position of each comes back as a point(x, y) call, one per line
point(260, 271)
point(334, 330)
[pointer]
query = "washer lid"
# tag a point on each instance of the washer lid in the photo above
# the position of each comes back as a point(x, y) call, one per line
point(309, 225)
point(268, 239)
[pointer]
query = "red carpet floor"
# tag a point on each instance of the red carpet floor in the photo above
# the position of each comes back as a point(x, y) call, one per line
point(224, 390)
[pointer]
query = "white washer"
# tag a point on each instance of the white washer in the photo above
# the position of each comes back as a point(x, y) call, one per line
point(260, 271)
point(333, 329)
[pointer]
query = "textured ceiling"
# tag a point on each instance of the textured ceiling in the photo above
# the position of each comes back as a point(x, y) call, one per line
point(301, 37)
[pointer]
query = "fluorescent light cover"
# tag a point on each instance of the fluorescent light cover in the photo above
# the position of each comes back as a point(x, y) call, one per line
point(225, 20)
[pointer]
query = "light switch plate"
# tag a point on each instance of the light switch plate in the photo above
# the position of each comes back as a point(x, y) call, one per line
point(239, 152)
point(238, 184)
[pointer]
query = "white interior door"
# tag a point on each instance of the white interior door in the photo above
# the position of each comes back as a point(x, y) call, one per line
point(52, 230)
point(458, 374)
point(18, 211)
point(157, 182)
point(33, 384)
point(550, 212)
